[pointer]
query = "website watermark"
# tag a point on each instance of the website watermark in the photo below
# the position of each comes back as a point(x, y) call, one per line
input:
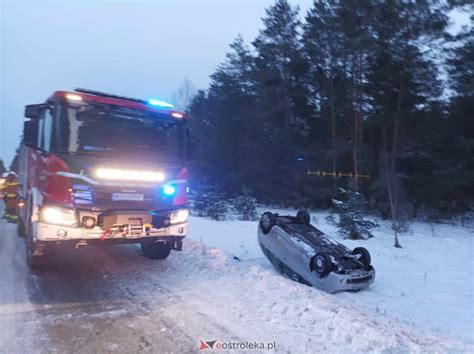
point(230, 345)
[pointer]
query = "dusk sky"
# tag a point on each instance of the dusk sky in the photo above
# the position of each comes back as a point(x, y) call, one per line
point(142, 49)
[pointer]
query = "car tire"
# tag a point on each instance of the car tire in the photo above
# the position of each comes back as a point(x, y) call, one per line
point(153, 250)
point(267, 221)
point(364, 255)
point(303, 217)
point(321, 263)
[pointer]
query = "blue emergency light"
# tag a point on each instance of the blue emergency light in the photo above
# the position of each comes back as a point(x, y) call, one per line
point(159, 103)
point(169, 190)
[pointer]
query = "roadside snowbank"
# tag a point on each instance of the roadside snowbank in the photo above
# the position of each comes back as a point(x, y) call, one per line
point(428, 284)
point(205, 293)
point(253, 303)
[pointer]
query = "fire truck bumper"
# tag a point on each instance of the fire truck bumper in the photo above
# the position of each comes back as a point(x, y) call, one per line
point(79, 236)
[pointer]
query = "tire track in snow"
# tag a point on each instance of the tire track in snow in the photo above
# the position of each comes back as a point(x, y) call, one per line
point(19, 320)
point(186, 312)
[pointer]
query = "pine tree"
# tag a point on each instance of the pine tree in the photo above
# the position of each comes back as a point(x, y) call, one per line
point(245, 204)
point(14, 164)
point(280, 69)
point(402, 82)
point(356, 88)
point(458, 170)
point(352, 208)
point(230, 126)
point(356, 29)
point(2, 168)
point(210, 200)
point(323, 48)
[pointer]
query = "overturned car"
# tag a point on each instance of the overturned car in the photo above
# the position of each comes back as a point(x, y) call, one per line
point(307, 255)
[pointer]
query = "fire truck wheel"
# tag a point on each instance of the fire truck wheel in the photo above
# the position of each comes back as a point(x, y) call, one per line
point(20, 227)
point(33, 262)
point(156, 250)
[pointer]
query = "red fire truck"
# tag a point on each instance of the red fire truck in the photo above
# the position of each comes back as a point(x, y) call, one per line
point(102, 169)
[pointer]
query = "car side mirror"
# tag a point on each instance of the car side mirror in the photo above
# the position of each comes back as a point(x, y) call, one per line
point(33, 111)
point(30, 133)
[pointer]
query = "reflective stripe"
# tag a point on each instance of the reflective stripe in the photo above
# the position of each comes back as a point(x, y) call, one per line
point(11, 217)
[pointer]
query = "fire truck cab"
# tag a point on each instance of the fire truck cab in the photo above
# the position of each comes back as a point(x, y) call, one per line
point(101, 169)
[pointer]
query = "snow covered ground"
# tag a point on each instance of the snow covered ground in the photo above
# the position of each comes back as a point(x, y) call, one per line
point(428, 285)
point(220, 287)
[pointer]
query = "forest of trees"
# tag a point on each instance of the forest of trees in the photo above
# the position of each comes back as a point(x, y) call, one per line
point(372, 88)
point(2, 168)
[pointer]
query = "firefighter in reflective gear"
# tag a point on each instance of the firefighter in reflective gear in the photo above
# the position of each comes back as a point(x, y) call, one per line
point(3, 179)
point(10, 196)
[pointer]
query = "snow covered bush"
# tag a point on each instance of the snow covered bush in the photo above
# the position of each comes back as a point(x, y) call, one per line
point(211, 202)
point(400, 226)
point(352, 209)
point(245, 205)
point(217, 209)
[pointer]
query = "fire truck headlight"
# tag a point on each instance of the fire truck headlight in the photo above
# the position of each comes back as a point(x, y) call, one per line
point(179, 216)
point(129, 175)
point(58, 216)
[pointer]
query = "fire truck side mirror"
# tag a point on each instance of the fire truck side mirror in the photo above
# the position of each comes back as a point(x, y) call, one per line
point(30, 133)
point(33, 111)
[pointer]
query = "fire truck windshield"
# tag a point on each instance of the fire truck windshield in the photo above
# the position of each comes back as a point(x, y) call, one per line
point(112, 130)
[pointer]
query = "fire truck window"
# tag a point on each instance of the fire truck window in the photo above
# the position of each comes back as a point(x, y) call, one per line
point(111, 130)
point(40, 133)
point(47, 130)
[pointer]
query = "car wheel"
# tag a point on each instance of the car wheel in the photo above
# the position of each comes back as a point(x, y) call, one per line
point(364, 255)
point(267, 221)
point(321, 263)
point(154, 250)
point(303, 217)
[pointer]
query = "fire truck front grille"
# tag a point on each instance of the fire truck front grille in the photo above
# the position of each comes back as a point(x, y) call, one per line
point(102, 197)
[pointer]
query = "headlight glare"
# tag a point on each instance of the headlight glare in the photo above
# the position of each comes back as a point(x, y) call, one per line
point(129, 175)
point(179, 216)
point(58, 216)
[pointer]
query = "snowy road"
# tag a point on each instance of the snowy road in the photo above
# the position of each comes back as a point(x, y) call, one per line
point(94, 300)
point(114, 300)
